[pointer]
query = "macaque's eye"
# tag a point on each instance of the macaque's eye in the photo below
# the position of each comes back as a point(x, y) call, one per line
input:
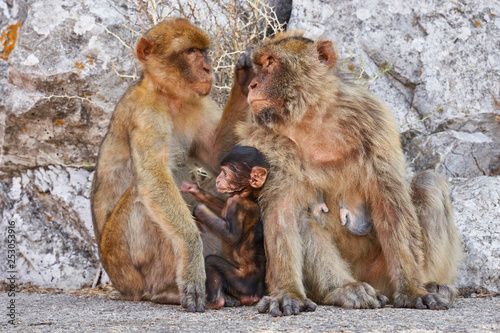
point(269, 61)
point(191, 50)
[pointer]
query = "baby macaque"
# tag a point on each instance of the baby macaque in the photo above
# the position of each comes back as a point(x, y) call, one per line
point(357, 221)
point(238, 276)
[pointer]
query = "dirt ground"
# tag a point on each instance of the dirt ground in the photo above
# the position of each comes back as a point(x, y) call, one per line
point(99, 310)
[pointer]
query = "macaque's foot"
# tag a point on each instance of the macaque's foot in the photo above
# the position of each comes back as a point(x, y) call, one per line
point(217, 304)
point(446, 293)
point(249, 300)
point(231, 301)
point(422, 301)
point(357, 295)
point(193, 297)
point(285, 306)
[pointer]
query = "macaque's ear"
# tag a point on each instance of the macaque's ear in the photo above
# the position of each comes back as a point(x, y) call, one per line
point(258, 177)
point(144, 49)
point(326, 53)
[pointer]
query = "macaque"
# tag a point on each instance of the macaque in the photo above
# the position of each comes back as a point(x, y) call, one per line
point(324, 135)
point(357, 221)
point(239, 275)
point(148, 240)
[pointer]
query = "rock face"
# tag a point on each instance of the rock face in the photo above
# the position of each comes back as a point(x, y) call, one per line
point(476, 206)
point(50, 209)
point(58, 87)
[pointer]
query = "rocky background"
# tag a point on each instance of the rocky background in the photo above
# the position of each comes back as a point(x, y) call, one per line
point(435, 63)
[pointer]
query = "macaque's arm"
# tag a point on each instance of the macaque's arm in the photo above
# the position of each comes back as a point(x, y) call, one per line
point(229, 229)
point(211, 201)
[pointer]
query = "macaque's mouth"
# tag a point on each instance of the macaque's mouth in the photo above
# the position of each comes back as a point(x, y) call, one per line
point(203, 88)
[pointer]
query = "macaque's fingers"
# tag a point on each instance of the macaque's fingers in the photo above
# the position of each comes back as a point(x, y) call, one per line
point(263, 305)
point(344, 216)
point(356, 295)
point(323, 207)
point(295, 307)
point(248, 58)
point(187, 187)
point(308, 306)
point(383, 300)
point(193, 298)
point(433, 302)
point(426, 301)
point(274, 308)
point(285, 306)
point(315, 209)
point(244, 72)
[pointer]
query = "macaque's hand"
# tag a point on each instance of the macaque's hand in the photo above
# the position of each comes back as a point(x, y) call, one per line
point(243, 70)
point(318, 208)
point(187, 187)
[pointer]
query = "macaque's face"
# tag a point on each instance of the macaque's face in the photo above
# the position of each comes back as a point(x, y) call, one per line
point(198, 73)
point(227, 181)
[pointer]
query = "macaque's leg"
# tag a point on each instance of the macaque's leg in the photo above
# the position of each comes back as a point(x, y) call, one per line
point(115, 254)
point(328, 279)
point(224, 282)
point(214, 284)
point(430, 194)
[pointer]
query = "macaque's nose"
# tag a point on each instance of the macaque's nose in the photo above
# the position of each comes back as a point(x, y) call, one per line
point(206, 68)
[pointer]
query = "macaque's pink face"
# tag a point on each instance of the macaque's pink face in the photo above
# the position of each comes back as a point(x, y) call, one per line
point(226, 181)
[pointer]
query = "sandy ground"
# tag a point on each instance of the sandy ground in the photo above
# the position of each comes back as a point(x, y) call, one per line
point(101, 312)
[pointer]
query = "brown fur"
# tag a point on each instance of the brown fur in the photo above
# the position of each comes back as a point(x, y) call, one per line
point(149, 243)
point(324, 135)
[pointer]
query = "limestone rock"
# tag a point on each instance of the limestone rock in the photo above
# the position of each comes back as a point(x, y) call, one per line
point(454, 154)
point(476, 206)
point(50, 209)
point(61, 87)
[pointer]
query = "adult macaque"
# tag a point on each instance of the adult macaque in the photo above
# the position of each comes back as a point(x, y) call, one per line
point(323, 135)
point(239, 275)
point(148, 241)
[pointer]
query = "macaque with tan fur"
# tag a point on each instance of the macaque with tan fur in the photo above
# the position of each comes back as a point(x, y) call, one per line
point(148, 241)
point(238, 276)
point(325, 136)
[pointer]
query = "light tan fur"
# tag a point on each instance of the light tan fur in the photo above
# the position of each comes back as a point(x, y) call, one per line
point(326, 136)
point(149, 243)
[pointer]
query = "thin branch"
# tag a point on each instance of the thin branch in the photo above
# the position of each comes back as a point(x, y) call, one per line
point(75, 97)
point(114, 35)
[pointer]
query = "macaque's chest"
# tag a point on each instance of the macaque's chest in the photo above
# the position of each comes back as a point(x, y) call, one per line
point(179, 145)
point(248, 253)
point(321, 145)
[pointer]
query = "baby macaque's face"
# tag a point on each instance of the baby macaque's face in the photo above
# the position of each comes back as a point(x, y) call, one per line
point(227, 181)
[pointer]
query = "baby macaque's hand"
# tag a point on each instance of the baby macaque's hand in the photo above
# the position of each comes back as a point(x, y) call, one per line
point(318, 207)
point(187, 187)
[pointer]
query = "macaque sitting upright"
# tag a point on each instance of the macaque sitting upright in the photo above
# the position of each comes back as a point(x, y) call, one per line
point(238, 277)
